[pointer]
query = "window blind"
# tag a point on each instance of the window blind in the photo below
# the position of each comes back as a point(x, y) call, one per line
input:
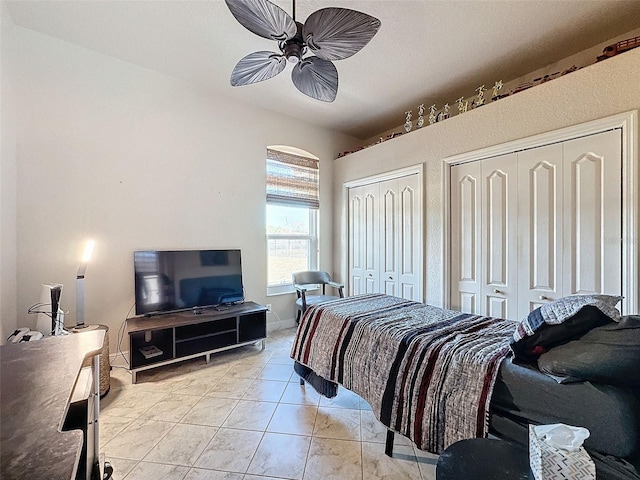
point(292, 179)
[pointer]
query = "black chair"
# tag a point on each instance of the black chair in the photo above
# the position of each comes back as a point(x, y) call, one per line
point(304, 281)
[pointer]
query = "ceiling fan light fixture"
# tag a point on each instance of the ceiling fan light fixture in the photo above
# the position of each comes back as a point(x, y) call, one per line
point(328, 34)
point(293, 52)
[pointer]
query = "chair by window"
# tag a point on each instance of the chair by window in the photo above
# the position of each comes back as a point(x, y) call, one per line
point(304, 281)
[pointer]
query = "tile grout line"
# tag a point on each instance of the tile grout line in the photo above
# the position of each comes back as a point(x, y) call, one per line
point(249, 360)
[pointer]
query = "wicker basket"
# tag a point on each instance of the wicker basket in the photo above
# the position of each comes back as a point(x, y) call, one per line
point(105, 364)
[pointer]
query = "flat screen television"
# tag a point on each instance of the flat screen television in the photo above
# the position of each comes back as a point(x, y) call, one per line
point(174, 280)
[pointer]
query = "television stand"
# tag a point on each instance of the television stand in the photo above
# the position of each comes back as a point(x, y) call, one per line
point(165, 339)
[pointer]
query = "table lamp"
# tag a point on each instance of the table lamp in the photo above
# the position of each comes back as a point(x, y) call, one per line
point(88, 250)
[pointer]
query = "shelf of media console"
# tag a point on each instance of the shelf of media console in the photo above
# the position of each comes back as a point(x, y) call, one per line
point(185, 335)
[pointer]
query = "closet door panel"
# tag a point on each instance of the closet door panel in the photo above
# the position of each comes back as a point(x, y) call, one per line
point(409, 252)
point(371, 229)
point(593, 201)
point(540, 226)
point(466, 244)
point(356, 241)
point(389, 230)
point(499, 228)
point(363, 239)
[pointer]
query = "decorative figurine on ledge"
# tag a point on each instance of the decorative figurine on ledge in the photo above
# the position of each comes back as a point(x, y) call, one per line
point(496, 88)
point(571, 69)
point(407, 123)
point(463, 105)
point(444, 114)
point(616, 48)
point(546, 78)
point(420, 121)
point(479, 101)
point(432, 114)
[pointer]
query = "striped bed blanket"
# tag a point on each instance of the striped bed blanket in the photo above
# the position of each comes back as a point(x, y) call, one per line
point(428, 373)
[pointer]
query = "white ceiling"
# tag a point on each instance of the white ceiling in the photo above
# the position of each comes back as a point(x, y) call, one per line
point(427, 51)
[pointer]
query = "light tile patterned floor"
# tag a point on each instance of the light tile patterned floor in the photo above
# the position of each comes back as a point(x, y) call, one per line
point(244, 416)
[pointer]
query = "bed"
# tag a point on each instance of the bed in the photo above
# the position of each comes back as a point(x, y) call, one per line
point(439, 376)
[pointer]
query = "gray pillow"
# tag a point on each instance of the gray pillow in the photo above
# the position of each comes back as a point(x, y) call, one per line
point(608, 354)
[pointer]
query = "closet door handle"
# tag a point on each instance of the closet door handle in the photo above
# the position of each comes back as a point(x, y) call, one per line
point(544, 297)
point(495, 290)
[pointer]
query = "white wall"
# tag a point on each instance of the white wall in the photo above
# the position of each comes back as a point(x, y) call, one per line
point(139, 160)
point(594, 92)
point(8, 174)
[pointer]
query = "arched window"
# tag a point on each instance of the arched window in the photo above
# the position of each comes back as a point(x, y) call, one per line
point(292, 215)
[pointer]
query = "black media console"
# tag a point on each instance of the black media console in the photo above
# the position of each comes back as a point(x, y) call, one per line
point(164, 339)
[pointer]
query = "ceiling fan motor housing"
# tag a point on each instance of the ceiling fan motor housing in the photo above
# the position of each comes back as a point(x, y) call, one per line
point(294, 48)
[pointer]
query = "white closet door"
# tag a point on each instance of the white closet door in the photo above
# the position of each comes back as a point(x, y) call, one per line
point(356, 241)
point(372, 238)
point(385, 238)
point(364, 241)
point(409, 252)
point(540, 226)
point(592, 219)
point(499, 257)
point(533, 226)
point(389, 236)
point(400, 237)
point(466, 248)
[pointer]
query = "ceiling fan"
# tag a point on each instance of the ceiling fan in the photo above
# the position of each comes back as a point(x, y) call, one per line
point(329, 33)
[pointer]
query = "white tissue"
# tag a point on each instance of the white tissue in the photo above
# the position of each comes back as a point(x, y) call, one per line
point(565, 437)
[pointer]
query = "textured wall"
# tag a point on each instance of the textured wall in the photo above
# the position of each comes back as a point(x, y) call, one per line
point(594, 92)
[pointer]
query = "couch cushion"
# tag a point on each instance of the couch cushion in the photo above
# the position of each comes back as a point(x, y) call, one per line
point(607, 354)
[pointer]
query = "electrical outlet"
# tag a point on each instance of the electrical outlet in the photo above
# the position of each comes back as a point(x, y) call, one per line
point(268, 307)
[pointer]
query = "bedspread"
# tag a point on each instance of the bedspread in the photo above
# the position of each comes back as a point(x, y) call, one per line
point(428, 373)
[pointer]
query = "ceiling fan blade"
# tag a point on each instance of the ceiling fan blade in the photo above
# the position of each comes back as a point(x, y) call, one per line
point(338, 33)
point(263, 18)
point(316, 78)
point(256, 67)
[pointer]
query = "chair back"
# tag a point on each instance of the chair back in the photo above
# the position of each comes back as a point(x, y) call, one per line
point(311, 277)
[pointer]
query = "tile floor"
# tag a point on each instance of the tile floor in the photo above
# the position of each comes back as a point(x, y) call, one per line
point(244, 416)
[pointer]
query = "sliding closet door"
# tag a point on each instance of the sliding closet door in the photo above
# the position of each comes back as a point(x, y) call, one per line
point(592, 214)
point(466, 246)
point(499, 258)
point(540, 226)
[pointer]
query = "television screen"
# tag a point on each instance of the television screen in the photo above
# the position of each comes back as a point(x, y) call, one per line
point(174, 280)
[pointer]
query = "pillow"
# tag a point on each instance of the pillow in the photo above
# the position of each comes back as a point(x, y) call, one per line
point(561, 321)
point(608, 354)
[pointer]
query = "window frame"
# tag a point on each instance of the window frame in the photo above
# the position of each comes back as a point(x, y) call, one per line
point(293, 180)
point(314, 250)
